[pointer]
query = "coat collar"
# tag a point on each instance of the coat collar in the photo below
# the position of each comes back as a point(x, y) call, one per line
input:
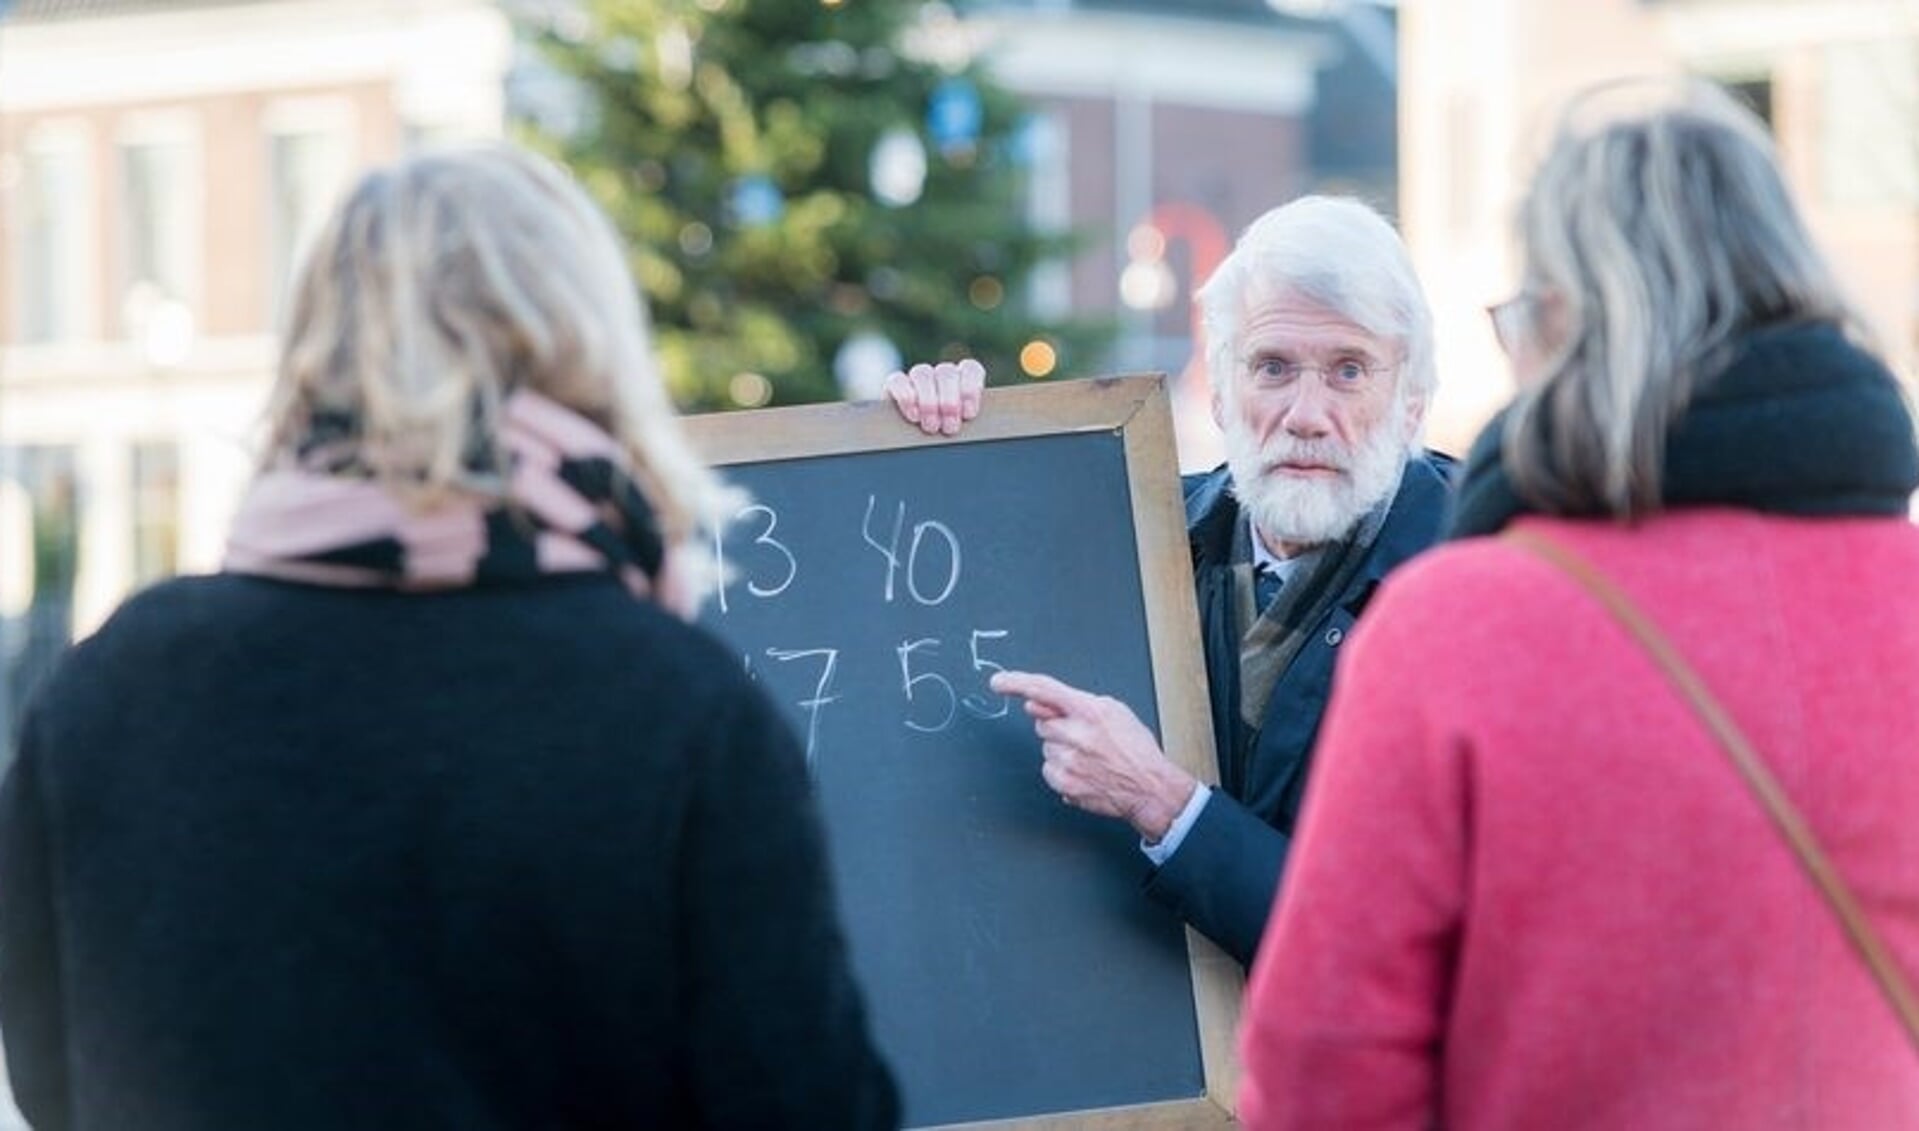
point(1799, 421)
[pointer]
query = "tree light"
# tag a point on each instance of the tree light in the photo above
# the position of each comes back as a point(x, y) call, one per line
point(1145, 242)
point(675, 48)
point(750, 390)
point(1147, 284)
point(757, 201)
point(696, 239)
point(953, 116)
point(986, 292)
point(1037, 358)
point(898, 167)
point(863, 363)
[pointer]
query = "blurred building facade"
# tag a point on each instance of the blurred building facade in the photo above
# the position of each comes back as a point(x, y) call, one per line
point(162, 165)
point(1166, 126)
point(1837, 80)
point(164, 162)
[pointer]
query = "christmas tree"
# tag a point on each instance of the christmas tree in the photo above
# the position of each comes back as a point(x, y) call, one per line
point(805, 199)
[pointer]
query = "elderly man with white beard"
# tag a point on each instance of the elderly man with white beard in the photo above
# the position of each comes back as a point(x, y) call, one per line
point(1320, 352)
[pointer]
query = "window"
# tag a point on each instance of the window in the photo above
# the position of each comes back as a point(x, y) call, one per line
point(156, 512)
point(1756, 95)
point(160, 234)
point(40, 497)
point(305, 169)
point(423, 136)
point(1045, 147)
point(1870, 126)
point(1465, 198)
point(51, 276)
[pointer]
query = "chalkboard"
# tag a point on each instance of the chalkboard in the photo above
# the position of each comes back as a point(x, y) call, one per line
point(1013, 968)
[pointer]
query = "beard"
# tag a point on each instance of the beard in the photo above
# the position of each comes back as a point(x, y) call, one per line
point(1314, 511)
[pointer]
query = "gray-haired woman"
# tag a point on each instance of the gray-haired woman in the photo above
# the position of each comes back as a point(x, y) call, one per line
point(431, 810)
point(1531, 889)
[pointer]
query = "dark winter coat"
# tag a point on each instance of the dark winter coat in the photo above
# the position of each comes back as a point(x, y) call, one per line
point(276, 856)
point(1223, 877)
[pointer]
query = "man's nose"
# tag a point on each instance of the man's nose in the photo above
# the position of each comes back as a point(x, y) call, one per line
point(1309, 415)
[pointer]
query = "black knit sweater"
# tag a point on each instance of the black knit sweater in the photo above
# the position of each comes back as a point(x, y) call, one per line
point(275, 856)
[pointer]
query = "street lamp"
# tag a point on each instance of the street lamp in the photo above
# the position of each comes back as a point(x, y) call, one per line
point(1148, 284)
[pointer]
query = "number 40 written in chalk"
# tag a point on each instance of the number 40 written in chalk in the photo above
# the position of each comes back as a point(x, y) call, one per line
point(769, 567)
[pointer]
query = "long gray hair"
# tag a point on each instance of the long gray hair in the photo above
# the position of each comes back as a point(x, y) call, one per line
point(1656, 232)
point(443, 282)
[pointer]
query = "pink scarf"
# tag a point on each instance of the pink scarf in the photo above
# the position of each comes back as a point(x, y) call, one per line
point(570, 506)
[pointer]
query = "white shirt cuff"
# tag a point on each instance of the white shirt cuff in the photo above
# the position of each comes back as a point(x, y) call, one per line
point(1163, 851)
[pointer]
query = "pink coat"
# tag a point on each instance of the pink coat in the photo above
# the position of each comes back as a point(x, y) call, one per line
point(1530, 892)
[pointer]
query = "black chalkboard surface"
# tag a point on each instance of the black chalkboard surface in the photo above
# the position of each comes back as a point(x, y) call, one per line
point(1012, 966)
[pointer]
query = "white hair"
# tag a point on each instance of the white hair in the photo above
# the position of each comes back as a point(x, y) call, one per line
point(1334, 251)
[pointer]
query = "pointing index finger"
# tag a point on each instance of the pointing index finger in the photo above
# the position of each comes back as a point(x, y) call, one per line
point(1041, 689)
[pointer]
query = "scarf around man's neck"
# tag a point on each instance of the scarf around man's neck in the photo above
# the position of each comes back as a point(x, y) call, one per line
point(569, 504)
point(1271, 638)
point(1799, 422)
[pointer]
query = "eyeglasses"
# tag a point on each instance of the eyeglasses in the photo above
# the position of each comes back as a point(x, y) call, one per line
point(1510, 320)
point(1342, 371)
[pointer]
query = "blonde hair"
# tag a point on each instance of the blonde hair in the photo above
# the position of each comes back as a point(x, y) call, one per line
point(1337, 252)
point(444, 282)
point(1656, 231)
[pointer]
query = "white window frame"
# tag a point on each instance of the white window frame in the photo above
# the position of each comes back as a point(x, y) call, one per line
point(166, 127)
point(1049, 209)
point(285, 117)
point(61, 137)
point(1861, 169)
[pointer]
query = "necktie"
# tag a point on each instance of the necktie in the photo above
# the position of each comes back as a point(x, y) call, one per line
point(1266, 583)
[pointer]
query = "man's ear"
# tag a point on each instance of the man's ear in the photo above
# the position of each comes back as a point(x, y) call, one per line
point(1416, 418)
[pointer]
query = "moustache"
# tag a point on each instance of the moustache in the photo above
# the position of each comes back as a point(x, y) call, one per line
point(1319, 453)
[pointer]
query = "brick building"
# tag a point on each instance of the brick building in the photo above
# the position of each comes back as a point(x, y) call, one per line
point(162, 164)
point(1838, 80)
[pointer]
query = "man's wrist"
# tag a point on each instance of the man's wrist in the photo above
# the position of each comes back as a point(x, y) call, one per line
point(1169, 844)
point(1155, 819)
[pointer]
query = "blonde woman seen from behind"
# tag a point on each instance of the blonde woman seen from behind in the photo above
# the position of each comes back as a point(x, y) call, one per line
point(431, 810)
point(1530, 889)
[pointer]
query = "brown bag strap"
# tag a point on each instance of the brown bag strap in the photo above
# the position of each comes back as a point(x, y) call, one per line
point(1745, 759)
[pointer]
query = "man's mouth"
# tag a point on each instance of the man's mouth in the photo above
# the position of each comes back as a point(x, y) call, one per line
point(1308, 469)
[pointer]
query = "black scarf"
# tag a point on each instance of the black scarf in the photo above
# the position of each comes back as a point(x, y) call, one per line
point(1799, 422)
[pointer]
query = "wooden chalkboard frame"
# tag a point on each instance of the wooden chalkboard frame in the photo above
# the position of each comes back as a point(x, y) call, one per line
point(1137, 408)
